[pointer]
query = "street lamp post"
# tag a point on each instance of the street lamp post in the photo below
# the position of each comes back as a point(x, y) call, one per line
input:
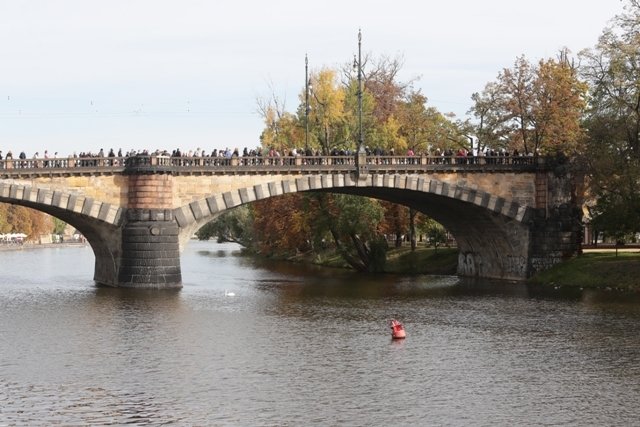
point(361, 155)
point(360, 138)
point(306, 104)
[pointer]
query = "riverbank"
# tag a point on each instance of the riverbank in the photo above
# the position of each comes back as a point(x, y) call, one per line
point(403, 260)
point(595, 269)
point(29, 246)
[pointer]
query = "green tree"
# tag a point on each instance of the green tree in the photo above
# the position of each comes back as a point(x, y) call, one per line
point(58, 226)
point(232, 226)
point(435, 232)
point(352, 222)
point(613, 123)
point(490, 129)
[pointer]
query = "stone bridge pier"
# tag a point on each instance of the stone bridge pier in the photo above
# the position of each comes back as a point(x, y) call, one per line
point(150, 241)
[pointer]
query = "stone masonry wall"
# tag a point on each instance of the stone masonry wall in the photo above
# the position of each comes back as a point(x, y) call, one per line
point(517, 187)
point(150, 191)
point(556, 228)
point(166, 191)
point(110, 189)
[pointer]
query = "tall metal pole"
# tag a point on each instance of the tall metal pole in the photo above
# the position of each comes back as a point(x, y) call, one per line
point(360, 138)
point(306, 103)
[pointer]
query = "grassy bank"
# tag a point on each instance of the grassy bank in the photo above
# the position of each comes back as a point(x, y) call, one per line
point(422, 261)
point(598, 270)
point(401, 260)
point(595, 270)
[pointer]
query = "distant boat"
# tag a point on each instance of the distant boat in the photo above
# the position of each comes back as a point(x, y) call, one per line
point(397, 330)
point(229, 294)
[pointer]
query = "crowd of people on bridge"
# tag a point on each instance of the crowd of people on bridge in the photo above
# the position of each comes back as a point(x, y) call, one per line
point(260, 156)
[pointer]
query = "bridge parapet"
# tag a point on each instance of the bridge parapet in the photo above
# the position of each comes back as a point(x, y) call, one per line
point(259, 164)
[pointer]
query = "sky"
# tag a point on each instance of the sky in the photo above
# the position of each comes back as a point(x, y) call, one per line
point(81, 75)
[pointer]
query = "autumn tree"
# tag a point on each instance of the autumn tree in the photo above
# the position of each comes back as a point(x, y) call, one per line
point(326, 108)
point(532, 108)
point(280, 225)
point(19, 219)
point(395, 117)
point(395, 221)
point(282, 129)
point(5, 227)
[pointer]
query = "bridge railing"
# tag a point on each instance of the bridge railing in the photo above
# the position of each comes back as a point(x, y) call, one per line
point(63, 163)
point(263, 162)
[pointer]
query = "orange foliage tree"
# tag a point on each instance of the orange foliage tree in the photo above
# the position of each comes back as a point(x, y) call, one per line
point(280, 225)
point(18, 219)
point(532, 108)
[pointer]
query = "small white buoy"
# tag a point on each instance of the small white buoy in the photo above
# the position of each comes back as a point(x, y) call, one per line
point(229, 294)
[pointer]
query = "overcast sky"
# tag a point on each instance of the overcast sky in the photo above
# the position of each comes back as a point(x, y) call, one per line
point(80, 75)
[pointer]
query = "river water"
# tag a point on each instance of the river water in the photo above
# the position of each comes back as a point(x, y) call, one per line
point(300, 346)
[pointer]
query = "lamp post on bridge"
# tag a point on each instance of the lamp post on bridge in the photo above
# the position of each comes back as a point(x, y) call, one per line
point(306, 103)
point(361, 155)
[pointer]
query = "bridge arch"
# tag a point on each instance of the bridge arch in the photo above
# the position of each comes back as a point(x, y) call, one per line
point(492, 232)
point(99, 222)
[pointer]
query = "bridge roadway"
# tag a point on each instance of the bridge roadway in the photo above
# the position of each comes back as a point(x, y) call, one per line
point(511, 216)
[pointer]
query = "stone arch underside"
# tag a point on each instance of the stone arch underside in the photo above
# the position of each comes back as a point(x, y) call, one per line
point(98, 222)
point(493, 233)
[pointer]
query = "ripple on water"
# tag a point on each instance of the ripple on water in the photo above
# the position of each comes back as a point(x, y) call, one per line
point(302, 347)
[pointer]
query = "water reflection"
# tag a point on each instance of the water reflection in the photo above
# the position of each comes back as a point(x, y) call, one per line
point(308, 346)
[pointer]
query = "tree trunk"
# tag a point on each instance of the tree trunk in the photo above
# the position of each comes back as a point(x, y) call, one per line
point(362, 251)
point(412, 228)
point(398, 240)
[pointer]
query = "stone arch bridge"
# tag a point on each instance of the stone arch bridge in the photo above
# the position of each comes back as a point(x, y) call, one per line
point(511, 217)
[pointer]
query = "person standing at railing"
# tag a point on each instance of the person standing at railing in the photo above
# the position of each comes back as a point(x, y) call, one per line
point(480, 157)
point(470, 158)
point(111, 155)
point(247, 156)
point(515, 157)
point(438, 156)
